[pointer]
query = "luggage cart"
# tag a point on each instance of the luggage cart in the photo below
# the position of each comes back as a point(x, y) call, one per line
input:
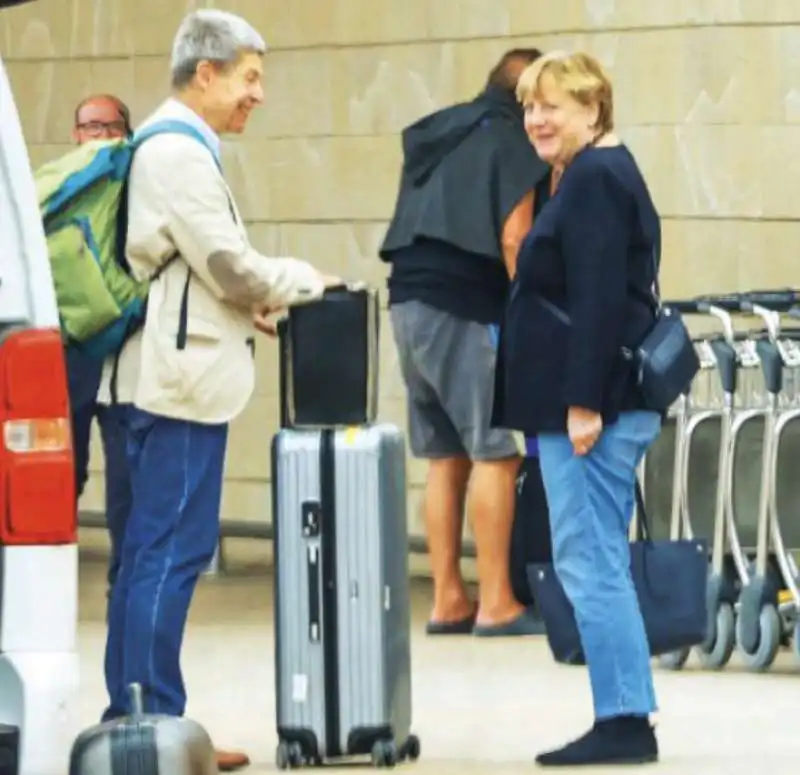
point(703, 419)
point(764, 622)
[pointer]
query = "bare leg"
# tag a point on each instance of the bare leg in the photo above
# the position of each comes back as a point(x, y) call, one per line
point(445, 491)
point(490, 503)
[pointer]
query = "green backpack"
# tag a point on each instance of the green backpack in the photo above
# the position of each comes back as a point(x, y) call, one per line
point(83, 201)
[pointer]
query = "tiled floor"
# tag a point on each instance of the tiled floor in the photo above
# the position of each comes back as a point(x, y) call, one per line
point(479, 706)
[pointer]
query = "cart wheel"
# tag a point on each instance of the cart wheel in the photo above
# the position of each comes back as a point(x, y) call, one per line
point(796, 638)
point(283, 757)
point(413, 746)
point(674, 660)
point(296, 758)
point(724, 641)
point(769, 639)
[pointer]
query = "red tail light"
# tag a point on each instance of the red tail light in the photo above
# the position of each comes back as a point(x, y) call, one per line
point(37, 479)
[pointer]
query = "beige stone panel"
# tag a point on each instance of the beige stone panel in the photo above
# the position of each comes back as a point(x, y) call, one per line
point(654, 149)
point(720, 255)
point(246, 501)
point(266, 360)
point(302, 91)
point(475, 58)
point(49, 91)
point(249, 437)
point(317, 179)
point(97, 458)
point(81, 28)
point(724, 75)
point(93, 498)
point(361, 21)
point(264, 236)
point(150, 86)
point(415, 514)
point(383, 89)
point(310, 23)
point(347, 250)
point(769, 257)
point(778, 151)
point(449, 19)
point(678, 76)
point(248, 165)
point(710, 170)
point(530, 17)
point(40, 154)
point(296, 24)
point(781, 78)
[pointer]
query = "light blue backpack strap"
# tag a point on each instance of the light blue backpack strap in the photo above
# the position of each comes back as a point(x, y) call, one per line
point(176, 127)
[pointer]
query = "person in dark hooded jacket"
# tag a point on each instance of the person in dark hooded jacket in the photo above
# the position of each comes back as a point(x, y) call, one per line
point(464, 205)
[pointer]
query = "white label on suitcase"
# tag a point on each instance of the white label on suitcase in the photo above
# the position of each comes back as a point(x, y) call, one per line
point(299, 687)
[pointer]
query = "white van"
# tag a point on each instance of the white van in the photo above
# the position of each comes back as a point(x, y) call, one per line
point(38, 523)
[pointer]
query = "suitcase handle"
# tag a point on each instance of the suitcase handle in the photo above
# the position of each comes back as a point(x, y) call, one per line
point(136, 698)
point(314, 607)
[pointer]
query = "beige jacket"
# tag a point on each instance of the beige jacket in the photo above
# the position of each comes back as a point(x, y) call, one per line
point(178, 201)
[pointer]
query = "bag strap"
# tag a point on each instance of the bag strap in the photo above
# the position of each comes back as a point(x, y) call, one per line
point(174, 127)
point(642, 523)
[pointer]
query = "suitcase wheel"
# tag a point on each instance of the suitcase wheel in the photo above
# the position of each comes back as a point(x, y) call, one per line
point(413, 748)
point(384, 753)
point(289, 756)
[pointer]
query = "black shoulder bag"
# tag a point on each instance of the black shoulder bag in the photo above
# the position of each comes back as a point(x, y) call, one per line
point(665, 361)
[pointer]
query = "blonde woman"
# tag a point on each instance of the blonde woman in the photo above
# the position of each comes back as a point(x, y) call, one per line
point(581, 294)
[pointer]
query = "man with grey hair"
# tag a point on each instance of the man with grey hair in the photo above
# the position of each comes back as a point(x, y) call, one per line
point(190, 370)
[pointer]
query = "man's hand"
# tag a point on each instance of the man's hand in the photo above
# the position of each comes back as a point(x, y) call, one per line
point(330, 281)
point(264, 324)
point(584, 428)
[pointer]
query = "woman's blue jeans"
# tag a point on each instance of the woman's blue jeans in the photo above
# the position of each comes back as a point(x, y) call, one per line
point(591, 502)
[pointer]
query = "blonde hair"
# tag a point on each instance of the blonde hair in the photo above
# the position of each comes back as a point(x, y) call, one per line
point(579, 75)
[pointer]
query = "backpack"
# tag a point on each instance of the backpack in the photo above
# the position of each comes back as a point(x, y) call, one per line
point(83, 202)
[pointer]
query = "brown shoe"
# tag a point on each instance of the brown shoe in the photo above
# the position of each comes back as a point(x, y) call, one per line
point(228, 761)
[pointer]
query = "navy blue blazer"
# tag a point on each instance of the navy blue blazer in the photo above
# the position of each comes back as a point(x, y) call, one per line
point(582, 292)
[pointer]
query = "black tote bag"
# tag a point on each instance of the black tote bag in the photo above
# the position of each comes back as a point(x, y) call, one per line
point(530, 533)
point(670, 581)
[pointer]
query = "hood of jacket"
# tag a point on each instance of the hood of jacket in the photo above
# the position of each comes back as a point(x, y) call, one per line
point(427, 142)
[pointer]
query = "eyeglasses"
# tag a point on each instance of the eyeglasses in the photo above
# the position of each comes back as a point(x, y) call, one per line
point(103, 128)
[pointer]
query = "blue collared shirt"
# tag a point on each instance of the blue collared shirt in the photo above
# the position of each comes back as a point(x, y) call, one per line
point(175, 109)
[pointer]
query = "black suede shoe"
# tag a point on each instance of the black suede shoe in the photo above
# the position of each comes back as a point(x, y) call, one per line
point(621, 740)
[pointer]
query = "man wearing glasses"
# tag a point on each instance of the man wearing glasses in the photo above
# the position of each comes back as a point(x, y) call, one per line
point(100, 117)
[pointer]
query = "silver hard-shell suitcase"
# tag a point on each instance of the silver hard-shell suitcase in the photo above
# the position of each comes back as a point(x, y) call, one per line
point(143, 744)
point(342, 620)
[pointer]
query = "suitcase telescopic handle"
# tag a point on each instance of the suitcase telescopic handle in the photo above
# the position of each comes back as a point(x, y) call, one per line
point(137, 699)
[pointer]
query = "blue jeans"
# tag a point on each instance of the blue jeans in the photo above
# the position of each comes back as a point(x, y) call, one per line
point(591, 503)
point(172, 533)
point(83, 380)
point(119, 498)
point(83, 376)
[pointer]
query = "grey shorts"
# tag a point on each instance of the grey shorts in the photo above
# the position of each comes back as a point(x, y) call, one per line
point(448, 367)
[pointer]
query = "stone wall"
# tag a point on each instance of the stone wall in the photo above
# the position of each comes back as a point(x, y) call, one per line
point(707, 95)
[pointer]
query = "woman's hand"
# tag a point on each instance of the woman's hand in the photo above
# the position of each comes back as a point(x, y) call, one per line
point(584, 428)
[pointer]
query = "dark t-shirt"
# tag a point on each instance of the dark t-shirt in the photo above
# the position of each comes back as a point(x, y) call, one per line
point(466, 285)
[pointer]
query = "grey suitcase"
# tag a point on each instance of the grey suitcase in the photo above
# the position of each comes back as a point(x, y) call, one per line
point(342, 614)
point(143, 744)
